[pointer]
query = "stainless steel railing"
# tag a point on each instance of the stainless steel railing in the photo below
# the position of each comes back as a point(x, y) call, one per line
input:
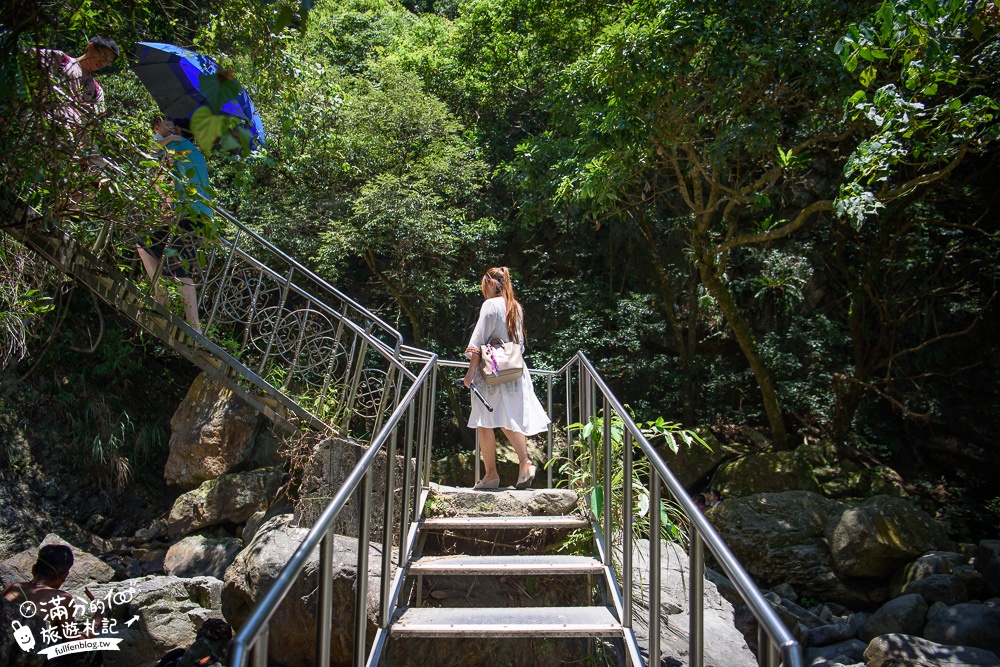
point(412, 423)
point(775, 642)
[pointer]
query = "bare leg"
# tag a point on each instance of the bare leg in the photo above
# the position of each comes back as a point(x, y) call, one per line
point(190, 296)
point(520, 444)
point(150, 263)
point(488, 450)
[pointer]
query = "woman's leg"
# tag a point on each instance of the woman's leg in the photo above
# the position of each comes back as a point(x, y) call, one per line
point(520, 444)
point(488, 450)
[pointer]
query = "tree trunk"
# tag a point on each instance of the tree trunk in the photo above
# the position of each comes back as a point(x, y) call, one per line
point(744, 337)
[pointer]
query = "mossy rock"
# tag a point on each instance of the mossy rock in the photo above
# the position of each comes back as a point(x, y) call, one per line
point(766, 472)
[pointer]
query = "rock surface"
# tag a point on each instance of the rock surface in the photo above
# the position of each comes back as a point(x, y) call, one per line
point(201, 555)
point(909, 651)
point(228, 499)
point(87, 569)
point(905, 615)
point(503, 502)
point(260, 563)
point(724, 645)
point(170, 611)
point(765, 472)
point(211, 432)
point(966, 625)
point(779, 538)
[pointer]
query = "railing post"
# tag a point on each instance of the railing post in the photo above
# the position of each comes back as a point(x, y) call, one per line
point(654, 569)
point(569, 412)
point(260, 646)
point(696, 601)
point(411, 418)
point(387, 521)
point(404, 508)
point(224, 283)
point(763, 641)
point(432, 390)
point(324, 619)
point(772, 655)
point(361, 602)
point(277, 322)
point(627, 529)
point(606, 483)
point(549, 438)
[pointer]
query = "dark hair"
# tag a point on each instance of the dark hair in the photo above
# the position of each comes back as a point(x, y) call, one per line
point(699, 499)
point(54, 560)
point(156, 120)
point(105, 42)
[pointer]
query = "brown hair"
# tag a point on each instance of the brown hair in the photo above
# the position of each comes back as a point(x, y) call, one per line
point(156, 120)
point(499, 278)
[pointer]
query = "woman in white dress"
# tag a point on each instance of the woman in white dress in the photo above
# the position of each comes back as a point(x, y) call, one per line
point(516, 409)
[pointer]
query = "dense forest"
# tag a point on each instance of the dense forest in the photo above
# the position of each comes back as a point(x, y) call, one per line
point(779, 215)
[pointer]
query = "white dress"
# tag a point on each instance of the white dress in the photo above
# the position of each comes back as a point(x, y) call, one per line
point(515, 406)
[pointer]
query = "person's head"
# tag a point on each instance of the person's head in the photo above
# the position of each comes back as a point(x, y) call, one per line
point(699, 500)
point(496, 282)
point(712, 496)
point(53, 563)
point(163, 126)
point(101, 52)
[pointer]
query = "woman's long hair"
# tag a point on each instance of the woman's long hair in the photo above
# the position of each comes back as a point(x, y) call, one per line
point(498, 278)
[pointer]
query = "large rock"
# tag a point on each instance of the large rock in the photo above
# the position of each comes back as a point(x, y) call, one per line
point(331, 462)
point(228, 499)
point(880, 535)
point(170, 610)
point(765, 472)
point(211, 432)
point(459, 470)
point(935, 562)
point(966, 625)
point(946, 588)
point(259, 564)
point(724, 645)
point(910, 651)
point(86, 568)
point(988, 564)
point(779, 539)
point(460, 501)
point(201, 555)
point(905, 615)
point(692, 464)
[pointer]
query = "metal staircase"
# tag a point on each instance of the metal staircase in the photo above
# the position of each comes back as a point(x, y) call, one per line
point(305, 354)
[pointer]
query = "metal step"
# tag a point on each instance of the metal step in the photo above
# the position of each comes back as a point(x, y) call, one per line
point(488, 565)
point(507, 622)
point(504, 522)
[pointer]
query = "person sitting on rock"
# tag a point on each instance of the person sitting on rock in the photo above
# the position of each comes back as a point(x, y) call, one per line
point(712, 497)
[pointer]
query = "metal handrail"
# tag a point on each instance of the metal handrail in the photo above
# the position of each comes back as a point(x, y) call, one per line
point(253, 635)
point(773, 632)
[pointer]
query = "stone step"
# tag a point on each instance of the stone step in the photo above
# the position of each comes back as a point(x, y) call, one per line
point(516, 565)
point(507, 622)
point(503, 523)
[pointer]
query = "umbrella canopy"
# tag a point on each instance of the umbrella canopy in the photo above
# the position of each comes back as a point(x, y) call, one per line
point(170, 74)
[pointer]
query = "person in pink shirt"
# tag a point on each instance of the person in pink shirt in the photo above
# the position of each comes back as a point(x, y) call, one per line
point(77, 94)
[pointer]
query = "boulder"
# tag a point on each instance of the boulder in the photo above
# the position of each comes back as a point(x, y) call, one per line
point(935, 562)
point(201, 555)
point(966, 624)
point(259, 564)
point(988, 564)
point(691, 464)
point(87, 569)
point(170, 610)
point(504, 502)
point(779, 539)
point(904, 615)
point(459, 470)
point(329, 465)
point(878, 536)
point(946, 588)
point(726, 646)
point(210, 434)
point(764, 472)
point(228, 499)
point(899, 650)
point(845, 652)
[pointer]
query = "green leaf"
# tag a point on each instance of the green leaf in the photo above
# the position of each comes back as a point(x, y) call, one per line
point(857, 97)
point(218, 88)
point(976, 26)
point(207, 127)
point(868, 76)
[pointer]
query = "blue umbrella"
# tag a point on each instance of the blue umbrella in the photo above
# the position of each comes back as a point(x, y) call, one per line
point(170, 74)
